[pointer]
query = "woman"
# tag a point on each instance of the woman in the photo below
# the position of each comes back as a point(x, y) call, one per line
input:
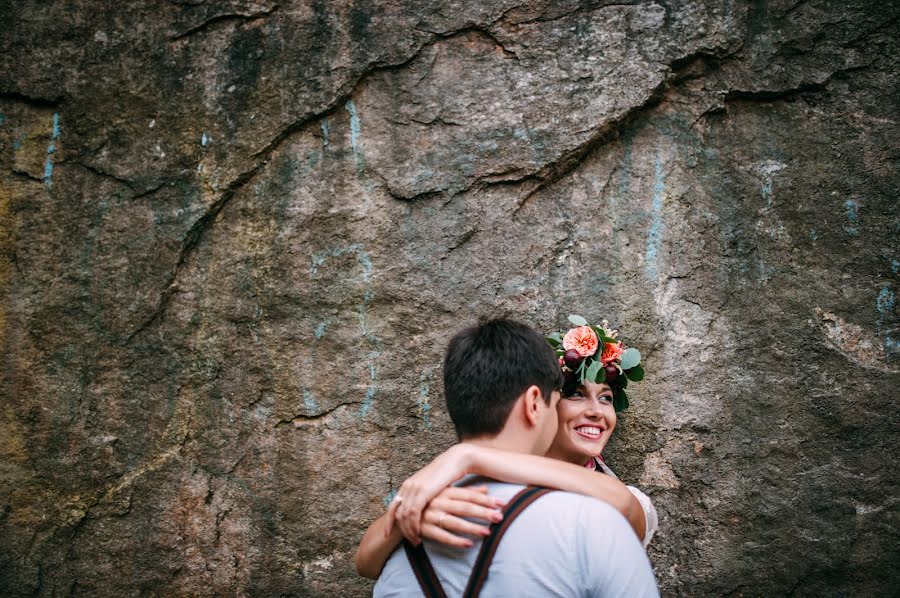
point(596, 376)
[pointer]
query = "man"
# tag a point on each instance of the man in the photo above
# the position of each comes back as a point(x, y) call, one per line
point(501, 383)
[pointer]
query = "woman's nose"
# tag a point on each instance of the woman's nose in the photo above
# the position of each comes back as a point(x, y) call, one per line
point(593, 407)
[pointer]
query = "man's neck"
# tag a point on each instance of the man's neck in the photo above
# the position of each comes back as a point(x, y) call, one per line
point(504, 441)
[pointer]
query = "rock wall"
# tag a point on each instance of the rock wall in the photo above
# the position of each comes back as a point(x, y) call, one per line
point(236, 237)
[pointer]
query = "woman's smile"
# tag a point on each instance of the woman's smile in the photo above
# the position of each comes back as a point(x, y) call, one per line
point(590, 432)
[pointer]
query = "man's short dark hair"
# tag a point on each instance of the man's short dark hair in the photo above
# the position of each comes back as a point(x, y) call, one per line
point(487, 367)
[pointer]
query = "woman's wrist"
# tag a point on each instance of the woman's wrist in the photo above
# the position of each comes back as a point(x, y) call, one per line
point(465, 456)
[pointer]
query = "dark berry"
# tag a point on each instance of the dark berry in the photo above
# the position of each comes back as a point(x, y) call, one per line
point(573, 359)
point(612, 372)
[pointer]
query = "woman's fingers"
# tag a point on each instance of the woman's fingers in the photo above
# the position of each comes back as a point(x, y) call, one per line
point(456, 525)
point(460, 508)
point(476, 496)
point(468, 502)
point(439, 534)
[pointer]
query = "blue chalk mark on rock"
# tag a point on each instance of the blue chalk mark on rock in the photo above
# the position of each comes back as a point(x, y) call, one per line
point(372, 388)
point(309, 402)
point(852, 209)
point(51, 149)
point(2, 118)
point(205, 139)
point(324, 124)
point(366, 262)
point(48, 173)
point(813, 234)
point(767, 169)
point(389, 497)
point(654, 238)
point(362, 316)
point(895, 266)
point(424, 401)
point(884, 305)
point(320, 330)
point(355, 134)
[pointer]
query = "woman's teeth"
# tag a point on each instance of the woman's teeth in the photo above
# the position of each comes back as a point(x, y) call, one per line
point(589, 431)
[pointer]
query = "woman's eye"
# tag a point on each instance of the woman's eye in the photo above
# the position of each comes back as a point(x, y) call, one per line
point(606, 399)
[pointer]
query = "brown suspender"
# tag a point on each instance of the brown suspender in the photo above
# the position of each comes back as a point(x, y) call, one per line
point(421, 564)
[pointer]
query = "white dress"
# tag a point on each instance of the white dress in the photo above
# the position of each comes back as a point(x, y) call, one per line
point(650, 517)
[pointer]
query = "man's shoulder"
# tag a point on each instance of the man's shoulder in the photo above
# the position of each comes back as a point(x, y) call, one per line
point(561, 504)
point(570, 503)
point(567, 510)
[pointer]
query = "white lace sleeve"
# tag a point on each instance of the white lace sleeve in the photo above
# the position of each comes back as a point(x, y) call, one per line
point(650, 517)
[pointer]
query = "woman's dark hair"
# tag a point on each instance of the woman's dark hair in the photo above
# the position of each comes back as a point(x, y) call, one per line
point(571, 383)
point(487, 367)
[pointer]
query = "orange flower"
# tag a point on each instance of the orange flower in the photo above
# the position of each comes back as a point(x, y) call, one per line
point(611, 352)
point(583, 339)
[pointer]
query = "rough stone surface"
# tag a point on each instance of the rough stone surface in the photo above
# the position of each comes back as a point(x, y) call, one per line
point(236, 237)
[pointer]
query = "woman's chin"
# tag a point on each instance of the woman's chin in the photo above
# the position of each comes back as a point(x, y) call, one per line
point(590, 449)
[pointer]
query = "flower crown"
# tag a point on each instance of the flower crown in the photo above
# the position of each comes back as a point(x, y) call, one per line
point(594, 354)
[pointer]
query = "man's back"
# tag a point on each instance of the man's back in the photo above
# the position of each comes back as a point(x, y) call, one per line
point(562, 545)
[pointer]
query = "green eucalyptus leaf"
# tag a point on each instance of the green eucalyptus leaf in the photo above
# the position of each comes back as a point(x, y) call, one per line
point(592, 371)
point(630, 358)
point(554, 342)
point(601, 374)
point(577, 320)
point(635, 374)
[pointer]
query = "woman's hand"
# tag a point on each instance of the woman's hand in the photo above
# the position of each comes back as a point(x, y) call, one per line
point(443, 520)
point(423, 486)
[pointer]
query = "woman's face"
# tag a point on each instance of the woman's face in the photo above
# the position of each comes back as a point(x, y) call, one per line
point(586, 421)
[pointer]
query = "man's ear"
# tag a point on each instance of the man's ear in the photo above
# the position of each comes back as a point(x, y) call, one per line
point(533, 405)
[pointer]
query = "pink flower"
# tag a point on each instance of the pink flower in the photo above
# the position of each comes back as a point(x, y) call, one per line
point(583, 339)
point(611, 352)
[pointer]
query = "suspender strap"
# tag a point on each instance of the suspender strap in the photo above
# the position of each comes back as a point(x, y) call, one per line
point(421, 566)
point(512, 510)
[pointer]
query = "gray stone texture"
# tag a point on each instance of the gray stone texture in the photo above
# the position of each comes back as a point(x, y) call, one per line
point(236, 237)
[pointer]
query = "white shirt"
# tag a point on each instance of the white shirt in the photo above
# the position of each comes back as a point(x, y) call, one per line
point(563, 544)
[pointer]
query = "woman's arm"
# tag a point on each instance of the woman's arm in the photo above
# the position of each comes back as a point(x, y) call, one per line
point(442, 522)
point(376, 547)
point(509, 467)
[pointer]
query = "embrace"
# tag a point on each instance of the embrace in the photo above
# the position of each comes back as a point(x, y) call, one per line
point(523, 504)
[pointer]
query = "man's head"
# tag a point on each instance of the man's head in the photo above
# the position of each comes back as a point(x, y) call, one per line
point(488, 368)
